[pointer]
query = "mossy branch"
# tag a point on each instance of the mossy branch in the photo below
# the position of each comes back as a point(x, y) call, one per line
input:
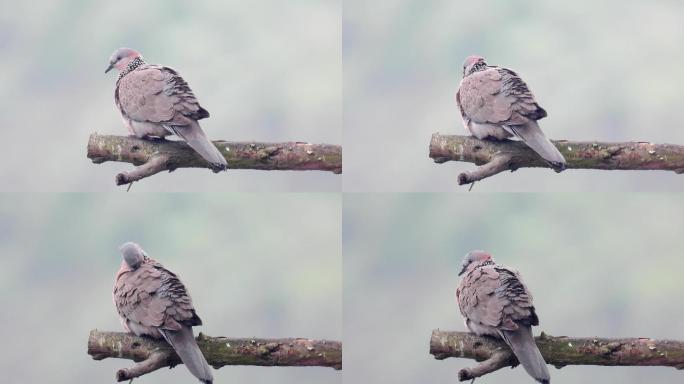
point(494, 157)
point(559, 351)
point(157, 155)
point(150, 354)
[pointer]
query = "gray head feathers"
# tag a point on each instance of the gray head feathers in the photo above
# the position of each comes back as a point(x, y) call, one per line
point(474, 257)
point(132, 254)
point(121, 57)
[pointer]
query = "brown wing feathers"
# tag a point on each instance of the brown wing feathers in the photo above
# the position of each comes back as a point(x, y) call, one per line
point(154, 297)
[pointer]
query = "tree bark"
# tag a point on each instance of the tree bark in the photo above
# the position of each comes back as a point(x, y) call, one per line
point(559, 351)
point(150, 354)
point(494, 157)
point(156, 155)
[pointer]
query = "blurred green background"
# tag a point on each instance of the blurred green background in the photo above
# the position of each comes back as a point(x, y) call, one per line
point(597, 265)
point(256, 265)
point(266, 70)
point(604, 70)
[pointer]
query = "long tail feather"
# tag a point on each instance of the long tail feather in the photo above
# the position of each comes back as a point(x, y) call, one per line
point(533, 136)
point(525, 349)
point(183, 342)
point(197, 140)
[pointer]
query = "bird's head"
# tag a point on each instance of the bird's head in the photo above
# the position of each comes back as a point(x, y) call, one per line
point(133, 255)
point(473, 259)
point(472, 64)
point(121, 57)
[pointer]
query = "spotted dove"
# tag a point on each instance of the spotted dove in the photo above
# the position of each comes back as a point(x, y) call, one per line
point(155, 101)
point(496, 103)
point(494, 301)
point(152, 301)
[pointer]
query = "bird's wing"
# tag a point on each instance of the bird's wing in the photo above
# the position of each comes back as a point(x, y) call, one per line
point(497, 96)
point(495, 296)
point(476, 297)
point(514, 299)
point(154, 297)
point(157, 94)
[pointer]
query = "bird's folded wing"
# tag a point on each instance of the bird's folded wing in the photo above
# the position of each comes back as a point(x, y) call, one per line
point(159, 95)
point(515, 300)
point(476, 297)
point(498, 96)
point(154, 297)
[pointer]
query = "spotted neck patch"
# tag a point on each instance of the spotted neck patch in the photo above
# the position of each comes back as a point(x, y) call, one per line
point(135, 63)
point(486, 263)
point(479, 66)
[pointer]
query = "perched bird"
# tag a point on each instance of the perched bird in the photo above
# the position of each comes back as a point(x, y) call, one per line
point(152, 301)
point(495, 302)
point(155, 101)
point(495, 103)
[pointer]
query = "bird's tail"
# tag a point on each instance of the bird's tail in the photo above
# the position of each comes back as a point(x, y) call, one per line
point(183, 342)
point(533, 136)
point(197, 140)
point(525, 349)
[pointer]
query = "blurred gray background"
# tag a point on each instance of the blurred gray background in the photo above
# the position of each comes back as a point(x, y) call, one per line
point(604, 70)
point(256, 265)
point(597, 265)
point(266, 70)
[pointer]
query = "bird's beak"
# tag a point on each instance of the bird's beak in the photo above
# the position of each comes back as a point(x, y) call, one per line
point(462, 270)
point(109, 68)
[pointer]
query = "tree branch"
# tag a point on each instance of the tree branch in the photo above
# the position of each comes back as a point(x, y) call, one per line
point(497, 156)
point(150, 354)
point(156, 155)
point(494, 354)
